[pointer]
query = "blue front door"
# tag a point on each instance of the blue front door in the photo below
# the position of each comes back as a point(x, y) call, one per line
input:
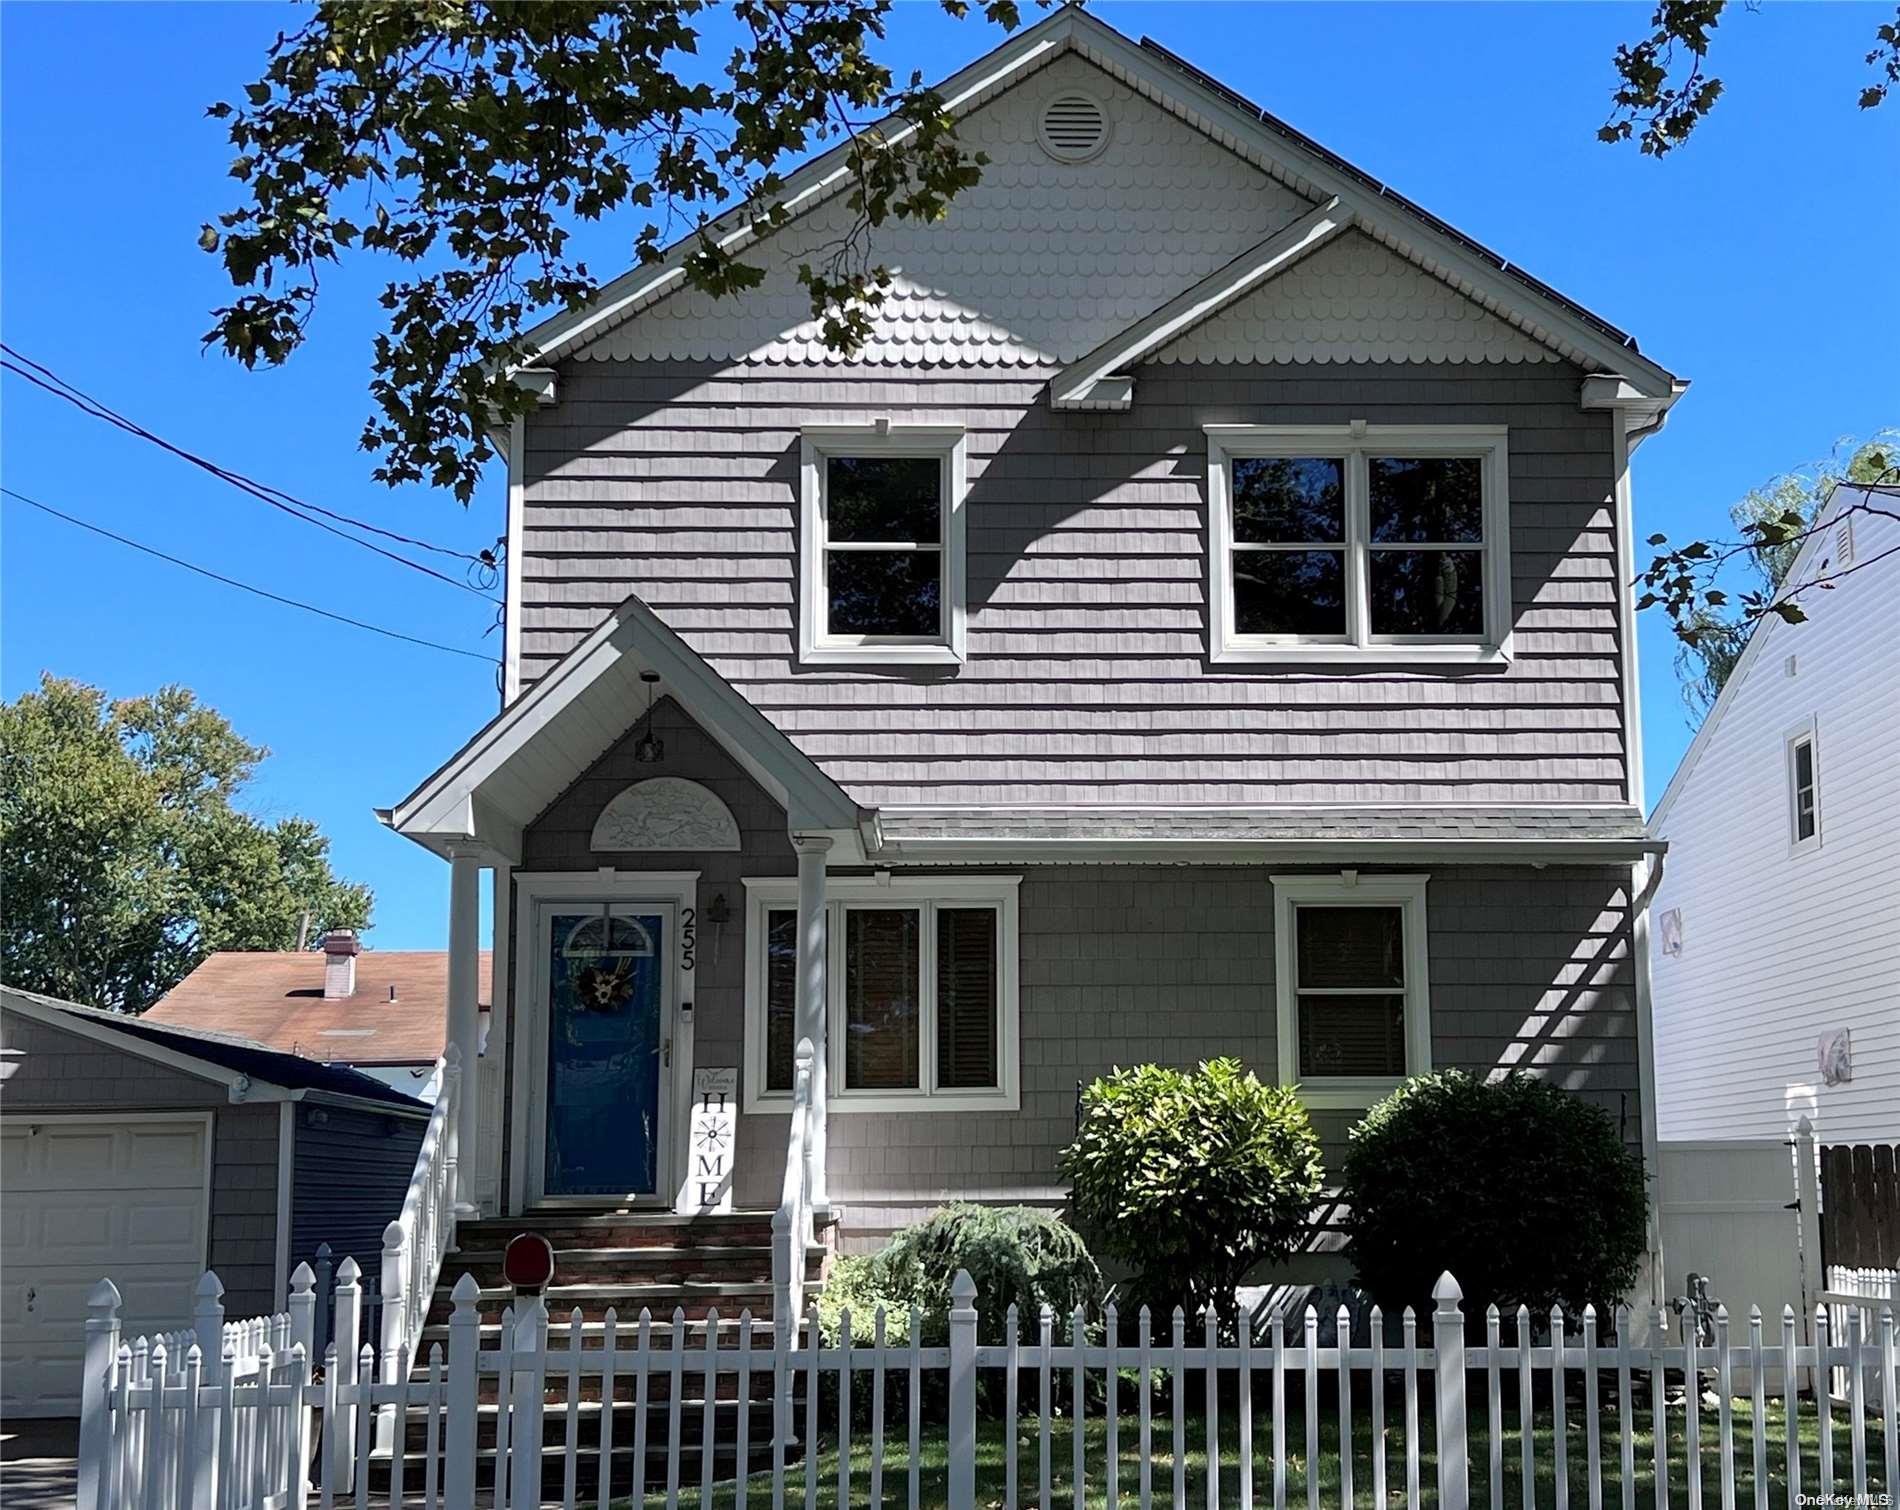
point(606, 1005)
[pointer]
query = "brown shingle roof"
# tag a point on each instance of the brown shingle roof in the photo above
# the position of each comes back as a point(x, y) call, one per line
point(276, 999)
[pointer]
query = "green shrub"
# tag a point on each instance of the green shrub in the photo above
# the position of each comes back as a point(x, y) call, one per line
point(1015, 1254)
point(1525, 1192)
point(1191, 1178)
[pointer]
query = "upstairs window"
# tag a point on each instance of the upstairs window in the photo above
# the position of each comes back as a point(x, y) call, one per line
point(1358, 543)
point(1804, 791)
point(882, 546)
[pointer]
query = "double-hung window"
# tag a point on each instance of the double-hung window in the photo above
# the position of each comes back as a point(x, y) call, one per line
point(1350, 970)
point(1804, 790)
point(881, 546)
point(920, 986)
point(1358, 543)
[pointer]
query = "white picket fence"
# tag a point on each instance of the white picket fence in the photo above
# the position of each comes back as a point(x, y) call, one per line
point(1862, 1292)
point(165, 1431)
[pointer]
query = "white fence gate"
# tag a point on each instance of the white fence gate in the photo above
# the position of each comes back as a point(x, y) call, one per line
point(164, 1432)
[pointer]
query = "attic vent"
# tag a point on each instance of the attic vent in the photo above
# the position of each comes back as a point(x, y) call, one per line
point(1074, 127)
point(1844, 544)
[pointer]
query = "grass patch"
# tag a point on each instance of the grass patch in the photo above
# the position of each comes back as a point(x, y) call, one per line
point(994, 1436)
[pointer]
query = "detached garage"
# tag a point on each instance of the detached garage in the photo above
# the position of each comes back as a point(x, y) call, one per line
point(149, 1154)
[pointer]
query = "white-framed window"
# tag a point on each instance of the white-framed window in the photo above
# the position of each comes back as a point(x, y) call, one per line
point(1359, 542)
point(1803, 754)
point(921, 976)
point(1354, 1000)
point(881, 545)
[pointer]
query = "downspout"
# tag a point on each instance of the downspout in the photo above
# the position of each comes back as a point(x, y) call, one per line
point(1645, 880)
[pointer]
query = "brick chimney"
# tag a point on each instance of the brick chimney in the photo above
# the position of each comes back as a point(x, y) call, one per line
point(340, 948)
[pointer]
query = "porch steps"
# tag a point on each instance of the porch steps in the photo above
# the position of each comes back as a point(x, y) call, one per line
point(627, 1261)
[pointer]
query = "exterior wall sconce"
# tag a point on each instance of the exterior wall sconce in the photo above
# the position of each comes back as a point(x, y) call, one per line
point(650, 750)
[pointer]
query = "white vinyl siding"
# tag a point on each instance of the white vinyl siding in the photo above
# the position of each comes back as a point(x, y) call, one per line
point(1781, 943)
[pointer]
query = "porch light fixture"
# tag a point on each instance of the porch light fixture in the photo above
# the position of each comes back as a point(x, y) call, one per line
point(718, 914)
point(650, 750)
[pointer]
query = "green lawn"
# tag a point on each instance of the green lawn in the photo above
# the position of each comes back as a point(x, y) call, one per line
point(992, 1440)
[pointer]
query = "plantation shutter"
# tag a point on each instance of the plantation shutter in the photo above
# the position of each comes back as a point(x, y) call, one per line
point(781, 997)
point(966, 998)
point(883, 1019)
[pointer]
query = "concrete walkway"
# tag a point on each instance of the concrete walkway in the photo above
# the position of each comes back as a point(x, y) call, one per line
point(37, 1464)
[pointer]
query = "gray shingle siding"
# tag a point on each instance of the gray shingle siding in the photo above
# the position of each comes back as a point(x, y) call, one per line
point(1126, 963)
point(1087, 677)
point(56, 1071)
point(352, 1171)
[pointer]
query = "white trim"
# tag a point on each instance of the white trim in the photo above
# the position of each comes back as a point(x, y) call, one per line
point(286, 1182)
point(515, 530)
point(780, 893)
point(448, 806)
point(1015, 850)
point(676, 890)
point(1808, 733)
point(1086, 383)
point(817, 646)
point(1355, 443)
point(1348, 889)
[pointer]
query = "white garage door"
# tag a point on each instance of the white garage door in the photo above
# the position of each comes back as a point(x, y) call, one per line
point(87, 1198)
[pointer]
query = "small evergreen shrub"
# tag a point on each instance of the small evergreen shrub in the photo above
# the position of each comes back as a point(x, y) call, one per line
point(1015, 1254)
point(1192, 1177)
point(1525, 1192)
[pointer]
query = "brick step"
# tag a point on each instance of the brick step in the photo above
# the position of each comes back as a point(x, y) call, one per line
point(694, 1297)
point(594, 1333)
point(580, 1266)
point(624, 1229)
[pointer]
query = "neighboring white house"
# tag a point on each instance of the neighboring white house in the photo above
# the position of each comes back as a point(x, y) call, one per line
point(1776, 955)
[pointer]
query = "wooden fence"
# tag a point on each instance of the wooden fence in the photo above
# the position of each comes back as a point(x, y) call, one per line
point(1428, 1415)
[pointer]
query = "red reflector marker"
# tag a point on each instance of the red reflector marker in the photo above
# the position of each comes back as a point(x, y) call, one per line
point(529, 1262)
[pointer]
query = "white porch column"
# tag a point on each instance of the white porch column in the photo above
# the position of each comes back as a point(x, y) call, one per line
point(812, 1012)
point(465, 1024)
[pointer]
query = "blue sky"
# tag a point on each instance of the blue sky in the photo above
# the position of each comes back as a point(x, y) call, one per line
point(1758, 261)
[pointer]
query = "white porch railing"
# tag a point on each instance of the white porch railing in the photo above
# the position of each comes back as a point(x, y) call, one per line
point(1544, 1412)
point(792, 1231)
point(424, 1230)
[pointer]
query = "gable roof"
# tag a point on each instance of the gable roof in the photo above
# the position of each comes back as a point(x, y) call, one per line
point(275, 998)
point(1230, 119)
point(537, 746)
point(1766, 629)
point(251, 1071)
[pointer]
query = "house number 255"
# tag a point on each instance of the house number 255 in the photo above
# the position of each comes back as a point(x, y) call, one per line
point(689, 939)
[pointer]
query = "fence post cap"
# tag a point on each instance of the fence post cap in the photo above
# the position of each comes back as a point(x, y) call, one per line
point(210, 1287)
point(1805, 1126)
point(104, 1298)
point(806, 1054)
point(393, 1236)
point(452, 1056)
point(466, 1291)
point(323, 1251)
point(348, 1272)
point(1446, 1292)
point(963, 1288)
point(303, 1279)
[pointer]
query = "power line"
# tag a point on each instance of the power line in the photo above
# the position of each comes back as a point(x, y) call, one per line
point(47, 380)
point(339, 618)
